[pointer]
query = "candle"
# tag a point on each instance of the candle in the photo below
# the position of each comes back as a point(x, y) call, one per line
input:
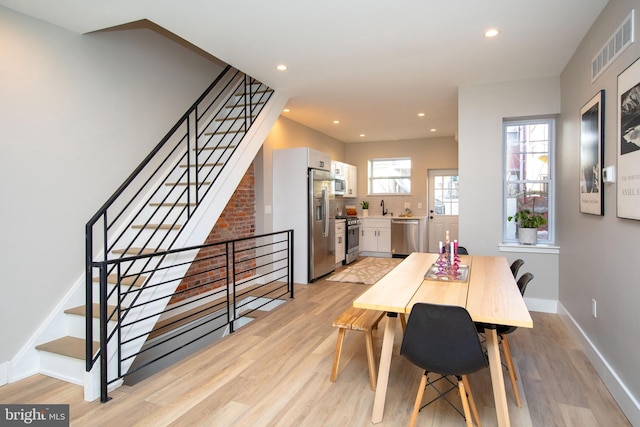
point(440, 247)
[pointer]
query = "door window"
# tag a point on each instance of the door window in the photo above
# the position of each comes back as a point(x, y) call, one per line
point(445, 195)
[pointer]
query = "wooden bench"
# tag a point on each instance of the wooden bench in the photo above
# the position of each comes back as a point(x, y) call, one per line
point(357, 319)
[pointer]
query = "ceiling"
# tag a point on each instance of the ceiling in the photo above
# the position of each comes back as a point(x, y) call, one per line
point(374, 65)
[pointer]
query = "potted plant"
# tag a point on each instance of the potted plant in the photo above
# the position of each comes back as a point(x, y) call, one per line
point(365, 208)
point(527, 223)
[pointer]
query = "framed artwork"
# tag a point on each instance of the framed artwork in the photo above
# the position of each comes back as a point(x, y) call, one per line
point(592, 155)
point(628, 180)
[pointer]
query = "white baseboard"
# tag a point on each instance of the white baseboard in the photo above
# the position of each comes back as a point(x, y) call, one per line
point(541, 305)
point(622, 395)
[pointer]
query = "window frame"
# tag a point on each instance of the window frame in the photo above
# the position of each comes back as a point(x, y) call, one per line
point(508, 235)
point(371, 178)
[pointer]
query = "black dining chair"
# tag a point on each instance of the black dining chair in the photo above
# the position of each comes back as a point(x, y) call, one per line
point(503, 332)
point(462, 250)
point(442, 340)
point(515, 267)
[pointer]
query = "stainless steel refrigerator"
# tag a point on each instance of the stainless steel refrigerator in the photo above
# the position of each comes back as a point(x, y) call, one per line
point(321, 203)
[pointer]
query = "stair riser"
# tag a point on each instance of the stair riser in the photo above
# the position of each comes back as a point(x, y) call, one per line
point(62, 367)
point(128, 299)
point(76, 326)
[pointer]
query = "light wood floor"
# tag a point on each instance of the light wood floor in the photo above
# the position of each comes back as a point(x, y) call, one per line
point(275, 372)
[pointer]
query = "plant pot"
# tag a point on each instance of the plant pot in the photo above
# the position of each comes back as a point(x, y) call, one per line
point(527, 236)
point(365, 212)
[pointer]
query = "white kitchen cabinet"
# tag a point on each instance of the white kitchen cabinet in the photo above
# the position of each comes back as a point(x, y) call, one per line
point(341, 229)
point(318, 160)
point(376, 235)
point(350, 175)
point(351, 178)
point(338, 168)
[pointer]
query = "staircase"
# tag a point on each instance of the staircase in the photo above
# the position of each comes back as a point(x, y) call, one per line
point(172, 200)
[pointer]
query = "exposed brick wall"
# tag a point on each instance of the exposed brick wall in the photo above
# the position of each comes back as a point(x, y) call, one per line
point(237, 220)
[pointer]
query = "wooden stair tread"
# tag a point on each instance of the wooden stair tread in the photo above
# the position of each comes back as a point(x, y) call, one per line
point(81, 310)
point(244, 104)
point(68, 346)
point(170, 205)
point(221, 132)
point(209, 165)
point(217, 147)
point(127, 281)
point(174, 184)
point(227, 119)
point(253, 92)
point(136, 251)
point(158, 226)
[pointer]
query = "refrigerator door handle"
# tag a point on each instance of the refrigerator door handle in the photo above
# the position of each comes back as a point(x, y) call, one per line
point(325, 209)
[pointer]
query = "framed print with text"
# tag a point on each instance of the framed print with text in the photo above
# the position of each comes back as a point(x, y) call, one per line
point(592, 155)
point(628, 179)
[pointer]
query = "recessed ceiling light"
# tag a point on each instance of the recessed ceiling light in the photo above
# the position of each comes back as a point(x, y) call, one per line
point(420, 114)
point(362, 135)
point(491, 33)
point(282, 67)
point(432, 130)
point(286, 110)
point(335, 122)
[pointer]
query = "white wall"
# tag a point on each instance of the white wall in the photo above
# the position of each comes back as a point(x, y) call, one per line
point(481, 110)
point(599, 257)
point(77, 114)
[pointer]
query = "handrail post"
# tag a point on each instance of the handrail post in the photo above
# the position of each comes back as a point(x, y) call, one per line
point(231, 306)
point(291, 258)
point(103, 334)
point(88, 295)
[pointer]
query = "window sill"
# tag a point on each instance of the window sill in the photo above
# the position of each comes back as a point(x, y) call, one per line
point(540, 249)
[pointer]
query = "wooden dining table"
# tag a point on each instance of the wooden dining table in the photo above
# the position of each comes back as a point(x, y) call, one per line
point(489, 293)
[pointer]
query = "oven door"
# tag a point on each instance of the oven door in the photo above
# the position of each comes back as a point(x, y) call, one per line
point(353, 243)
point(353, 237)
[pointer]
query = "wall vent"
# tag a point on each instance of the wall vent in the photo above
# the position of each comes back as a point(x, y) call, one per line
point(618, 42)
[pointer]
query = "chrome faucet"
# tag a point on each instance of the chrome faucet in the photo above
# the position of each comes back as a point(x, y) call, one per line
point(384, 211)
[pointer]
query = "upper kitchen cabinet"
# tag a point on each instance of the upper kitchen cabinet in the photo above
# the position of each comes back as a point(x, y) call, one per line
point(351, 178)
point(350, 175)
point(338, 168)
point(319, 160)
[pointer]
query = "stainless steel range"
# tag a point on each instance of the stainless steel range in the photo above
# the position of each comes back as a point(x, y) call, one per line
point(353, 240)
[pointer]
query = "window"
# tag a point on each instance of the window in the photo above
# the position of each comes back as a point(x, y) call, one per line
point(390, 176)
point(528, 174)
point(445, 194)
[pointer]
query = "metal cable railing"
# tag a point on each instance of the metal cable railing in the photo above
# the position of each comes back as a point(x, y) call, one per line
point(233, 279)
point(143, 218)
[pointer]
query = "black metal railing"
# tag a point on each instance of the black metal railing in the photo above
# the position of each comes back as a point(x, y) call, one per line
point(141, 221)
point(198, 291)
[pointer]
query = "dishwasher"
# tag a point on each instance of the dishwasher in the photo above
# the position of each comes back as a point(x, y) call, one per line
point(405, 237)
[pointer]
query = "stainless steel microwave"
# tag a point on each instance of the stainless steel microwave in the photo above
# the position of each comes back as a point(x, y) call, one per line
point(339, 186)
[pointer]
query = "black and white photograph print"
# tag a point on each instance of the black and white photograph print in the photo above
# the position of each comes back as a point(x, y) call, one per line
point(628, 179)
point(591, 155)
point(630, 120)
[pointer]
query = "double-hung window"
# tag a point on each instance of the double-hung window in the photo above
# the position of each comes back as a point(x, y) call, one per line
point(390, 176)
point(528, 174)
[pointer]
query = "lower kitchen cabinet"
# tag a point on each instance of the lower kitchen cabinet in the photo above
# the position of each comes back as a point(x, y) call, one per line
point(375, 235)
